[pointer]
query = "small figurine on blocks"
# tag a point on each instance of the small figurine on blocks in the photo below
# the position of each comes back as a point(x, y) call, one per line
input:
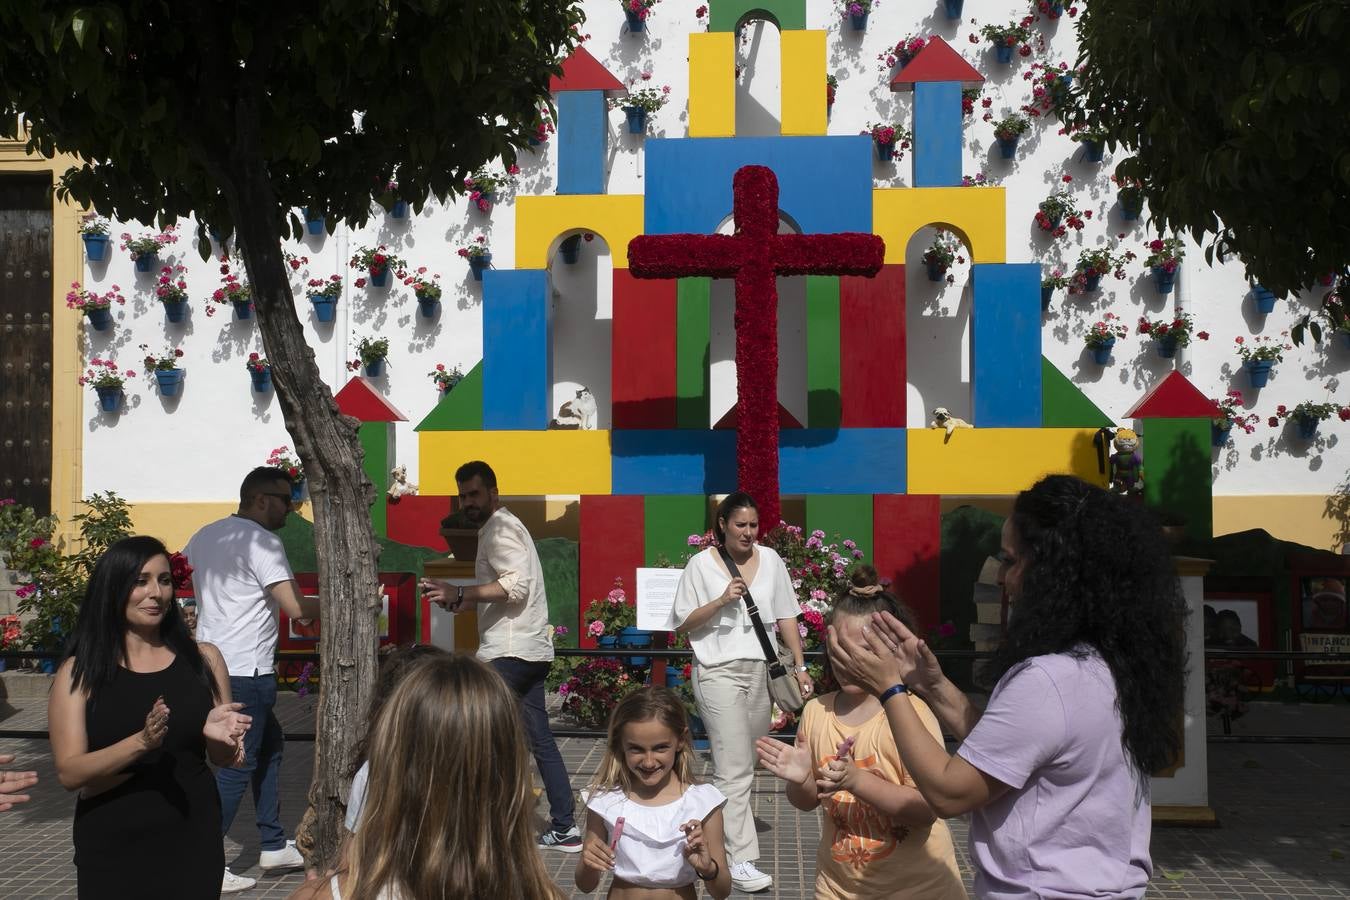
point(945, 420)
point(399, 485)
point(1127, 466)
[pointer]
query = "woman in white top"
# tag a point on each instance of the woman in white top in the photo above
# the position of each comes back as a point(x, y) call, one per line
point(730, 682)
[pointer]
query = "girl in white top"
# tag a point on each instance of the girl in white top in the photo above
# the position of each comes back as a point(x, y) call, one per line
point(647, 820)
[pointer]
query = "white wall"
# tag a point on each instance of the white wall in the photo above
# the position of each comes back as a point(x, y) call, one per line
point(197, 447)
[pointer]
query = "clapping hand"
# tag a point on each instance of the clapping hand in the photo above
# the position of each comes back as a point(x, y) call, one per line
point(13, 782)
point(695, 848)
point(839, 774)
point(790, 762)
point(225, 724)
point(156, 724)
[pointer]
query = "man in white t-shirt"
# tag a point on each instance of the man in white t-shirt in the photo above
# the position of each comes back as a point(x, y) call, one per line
point(241, 575)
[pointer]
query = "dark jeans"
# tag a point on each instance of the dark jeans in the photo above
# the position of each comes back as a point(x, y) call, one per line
point(262, 761)
point(526, 678)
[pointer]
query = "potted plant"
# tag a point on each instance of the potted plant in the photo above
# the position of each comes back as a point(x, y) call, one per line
point(1102, 336)
point(94, 231)
point(1007, 38)
point(107, 380)
point(612, 621)
point(171, 290)
point(1308, 415)
point(479, 255)
point(164, 368)
point(831, 88)
point(461, 536)
point(569, 250)
point(260, 370)
point(1259, 356)
point(324, 295)
point(1050, 88)
point(1130, 196)
point(596, 686)
point(1093, 141)
point(640, 102)
point(282, 458)
point(953, 8)
point(377, 263)
point(969, 96)
point(891, 140)
point(1057, 213)
point(856, 11)
point(96, 307)
point(398, 207)
point(426, 290)
point(11, 630)
point(1007, 131)
point(904, 50)
point(1051, 9)
point(1335, 312)
point(371, 354)
point(1264, 299)
point(979, 179)
point(636, 12)
point(544, 126)
point(941, 254)
point(314, 220)
point(232, 291)
point(145, 249)
point(1093, 264)
point(1231, 415)
point(1164, 258)
point(1172, 334)
point(483, 186)
point(445, 379)
point(1055, 281)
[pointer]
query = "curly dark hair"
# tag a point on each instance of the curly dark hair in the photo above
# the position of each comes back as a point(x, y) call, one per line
point(1097, 571)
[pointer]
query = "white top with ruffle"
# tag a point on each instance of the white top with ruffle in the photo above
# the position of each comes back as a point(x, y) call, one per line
point(650, 851)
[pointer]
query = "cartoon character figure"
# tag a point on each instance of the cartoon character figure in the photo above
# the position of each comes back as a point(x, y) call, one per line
point(1127, 466)
point(578, 414)
point(400, 486)
point(945, 420)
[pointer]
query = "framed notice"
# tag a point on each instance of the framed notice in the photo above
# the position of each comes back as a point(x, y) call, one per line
point(395, 625)
point(1323, 624)
point(656, 598)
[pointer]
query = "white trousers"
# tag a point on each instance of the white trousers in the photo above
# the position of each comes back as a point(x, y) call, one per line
point(733, 700)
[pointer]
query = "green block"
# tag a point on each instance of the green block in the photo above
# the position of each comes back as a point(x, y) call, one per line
point(1063, 405)
point(377, 440)
point(822, 351)
point(693, 329)
point(462, 410)
point(560, 560)
point(842, 516)
point(1177, 476)
point(668, 520)
point(788, 15)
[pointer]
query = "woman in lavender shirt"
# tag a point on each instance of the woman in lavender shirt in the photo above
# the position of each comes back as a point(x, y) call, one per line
point(1089, 699)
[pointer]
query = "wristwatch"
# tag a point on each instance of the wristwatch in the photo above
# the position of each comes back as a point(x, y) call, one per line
point(799, 668)
point(459, 594)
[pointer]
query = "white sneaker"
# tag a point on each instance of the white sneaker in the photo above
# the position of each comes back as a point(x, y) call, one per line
point(233, 884)
point(287, 859)
point(745, 877)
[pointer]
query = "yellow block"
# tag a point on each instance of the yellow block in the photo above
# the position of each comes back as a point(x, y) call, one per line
point(526, 462)
point(712, 84)
point(802, 76)
point(1314, 520)
point(615, 217)
point(174, 523)
point(978, 214)
point(996, 460)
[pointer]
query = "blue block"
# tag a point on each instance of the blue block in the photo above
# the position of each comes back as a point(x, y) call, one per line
point(673, 462)
point(517, 352)
point(937, 134)
point(1005, 345)
point(843, 461)
point(582, 128)
point(824, 183)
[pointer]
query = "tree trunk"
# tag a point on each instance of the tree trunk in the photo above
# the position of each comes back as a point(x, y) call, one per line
point(342, 495)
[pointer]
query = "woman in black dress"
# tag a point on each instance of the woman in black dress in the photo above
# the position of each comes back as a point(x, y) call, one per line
point(137, 709)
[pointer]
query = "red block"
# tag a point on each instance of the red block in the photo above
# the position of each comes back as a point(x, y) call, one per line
point(906, 542)
point(583, 72)
point(416, 521)
point(937, 61)
point(360, 400)
point(643, 354)
point(1174, 398)
point(613, 544)
point(872, 367)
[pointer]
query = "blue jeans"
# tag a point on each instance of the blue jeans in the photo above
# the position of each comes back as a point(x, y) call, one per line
point(262, 761)
point(526, 679)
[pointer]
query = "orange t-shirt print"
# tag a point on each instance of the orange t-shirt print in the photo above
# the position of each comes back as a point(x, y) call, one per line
point(861, 833)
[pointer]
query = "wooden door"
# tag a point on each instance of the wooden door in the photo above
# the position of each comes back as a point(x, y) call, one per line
point(26, 340)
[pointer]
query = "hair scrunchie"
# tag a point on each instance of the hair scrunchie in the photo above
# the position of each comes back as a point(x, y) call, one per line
point(867, 591)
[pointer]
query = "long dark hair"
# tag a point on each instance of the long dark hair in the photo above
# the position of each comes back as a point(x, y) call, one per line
point(730, 503)
point(1097, 571)
point(98, 643)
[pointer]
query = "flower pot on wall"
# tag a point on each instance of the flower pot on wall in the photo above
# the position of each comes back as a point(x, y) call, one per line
point(381, 279)
point(634, 21)
point(936, 270)
point(314, 222)
point(1007, 147)
point(243, 309)
point(1047, 293)
point(1167, 347)
point(170, 381)
point(147, 262)
point(100, 317)
point(1101, 354)
point(175, 310)
point(1094, 151)
point(426, 307)
point(1259, 371)
point(1219, 436)
point(953, 8)
point(1092, 282)
point(637, 119)
point(1164, 280)
point(1265, 299)
point(1131, 205)
point(570, 250)
point(325, 308)
point(96, 247)
point(1307, 427)
point(886, 151)
point(109, 398)
point(262, 380)
point(858, 21)
point(478, 263)
point(1003, 53)
point(399, 210)
point(297, 490)
point(374, 369)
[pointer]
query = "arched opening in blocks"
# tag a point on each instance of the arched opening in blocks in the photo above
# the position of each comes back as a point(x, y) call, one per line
point(937, 323)
point(792, 382)
point(758, 76)
point(581, 291)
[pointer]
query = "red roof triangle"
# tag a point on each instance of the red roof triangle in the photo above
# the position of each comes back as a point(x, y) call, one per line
point(1174, 398)
point(785, 419)
point(937, 62)
point(360, 400)
point(582, 72)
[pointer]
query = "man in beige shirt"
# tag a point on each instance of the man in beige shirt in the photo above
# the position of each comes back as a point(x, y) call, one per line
point(514, 635)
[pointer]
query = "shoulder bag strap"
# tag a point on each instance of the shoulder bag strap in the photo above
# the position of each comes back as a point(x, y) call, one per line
point(765, 645)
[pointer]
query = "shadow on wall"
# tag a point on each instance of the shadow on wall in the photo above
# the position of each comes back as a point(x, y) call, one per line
point(1338, 511)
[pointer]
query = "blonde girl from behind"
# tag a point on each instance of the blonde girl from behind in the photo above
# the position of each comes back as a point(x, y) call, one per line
point(648, 821)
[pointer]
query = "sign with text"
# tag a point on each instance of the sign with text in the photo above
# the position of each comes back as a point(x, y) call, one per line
point(656, 597)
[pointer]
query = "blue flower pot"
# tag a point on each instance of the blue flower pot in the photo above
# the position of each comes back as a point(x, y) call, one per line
point(859, 22)
point(175, 310)
point(478, 263)
point(1056, 9)
point(1259, 371)
point(1003, 53)
point(427, 308)
point(936, 271)
point(380, 280)
point(1094, 151)
point(1307, 427)
point(47, 666)
point(262, 381)
point(1167, 347)
point(1164, 280)
point(3, 665)
point(1102, 355)
point(1130, 210)
point(1092, 282)
point(699, 732)
point(399, 210)
point(147, 262)
point(1345, 339)
point(297, 490)
point(1007, 147)
point(100, 317)
point(96, 247)
point(1219, 436)
point(325, 308)
point(953, 8)
point(631, 638)
point(243, 309)
point(634, 21)
point(674, 677)
point(1046, 294)
point(314, 224)
point(375, 369)
point(109, 398)
point(570, 250)
point(885, 152)
point(637, 119)
point(1265, 299)
point(170, 381)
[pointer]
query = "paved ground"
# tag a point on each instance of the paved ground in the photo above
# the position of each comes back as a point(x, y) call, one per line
point(1282, 807)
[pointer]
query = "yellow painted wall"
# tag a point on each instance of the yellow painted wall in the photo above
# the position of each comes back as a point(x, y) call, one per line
point(1309, 519)
point(526, 462)
point(712, 84)
point(617, 218)
point(997, 460)
point(978, 213)
point(174, 523)
point(802, 76)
